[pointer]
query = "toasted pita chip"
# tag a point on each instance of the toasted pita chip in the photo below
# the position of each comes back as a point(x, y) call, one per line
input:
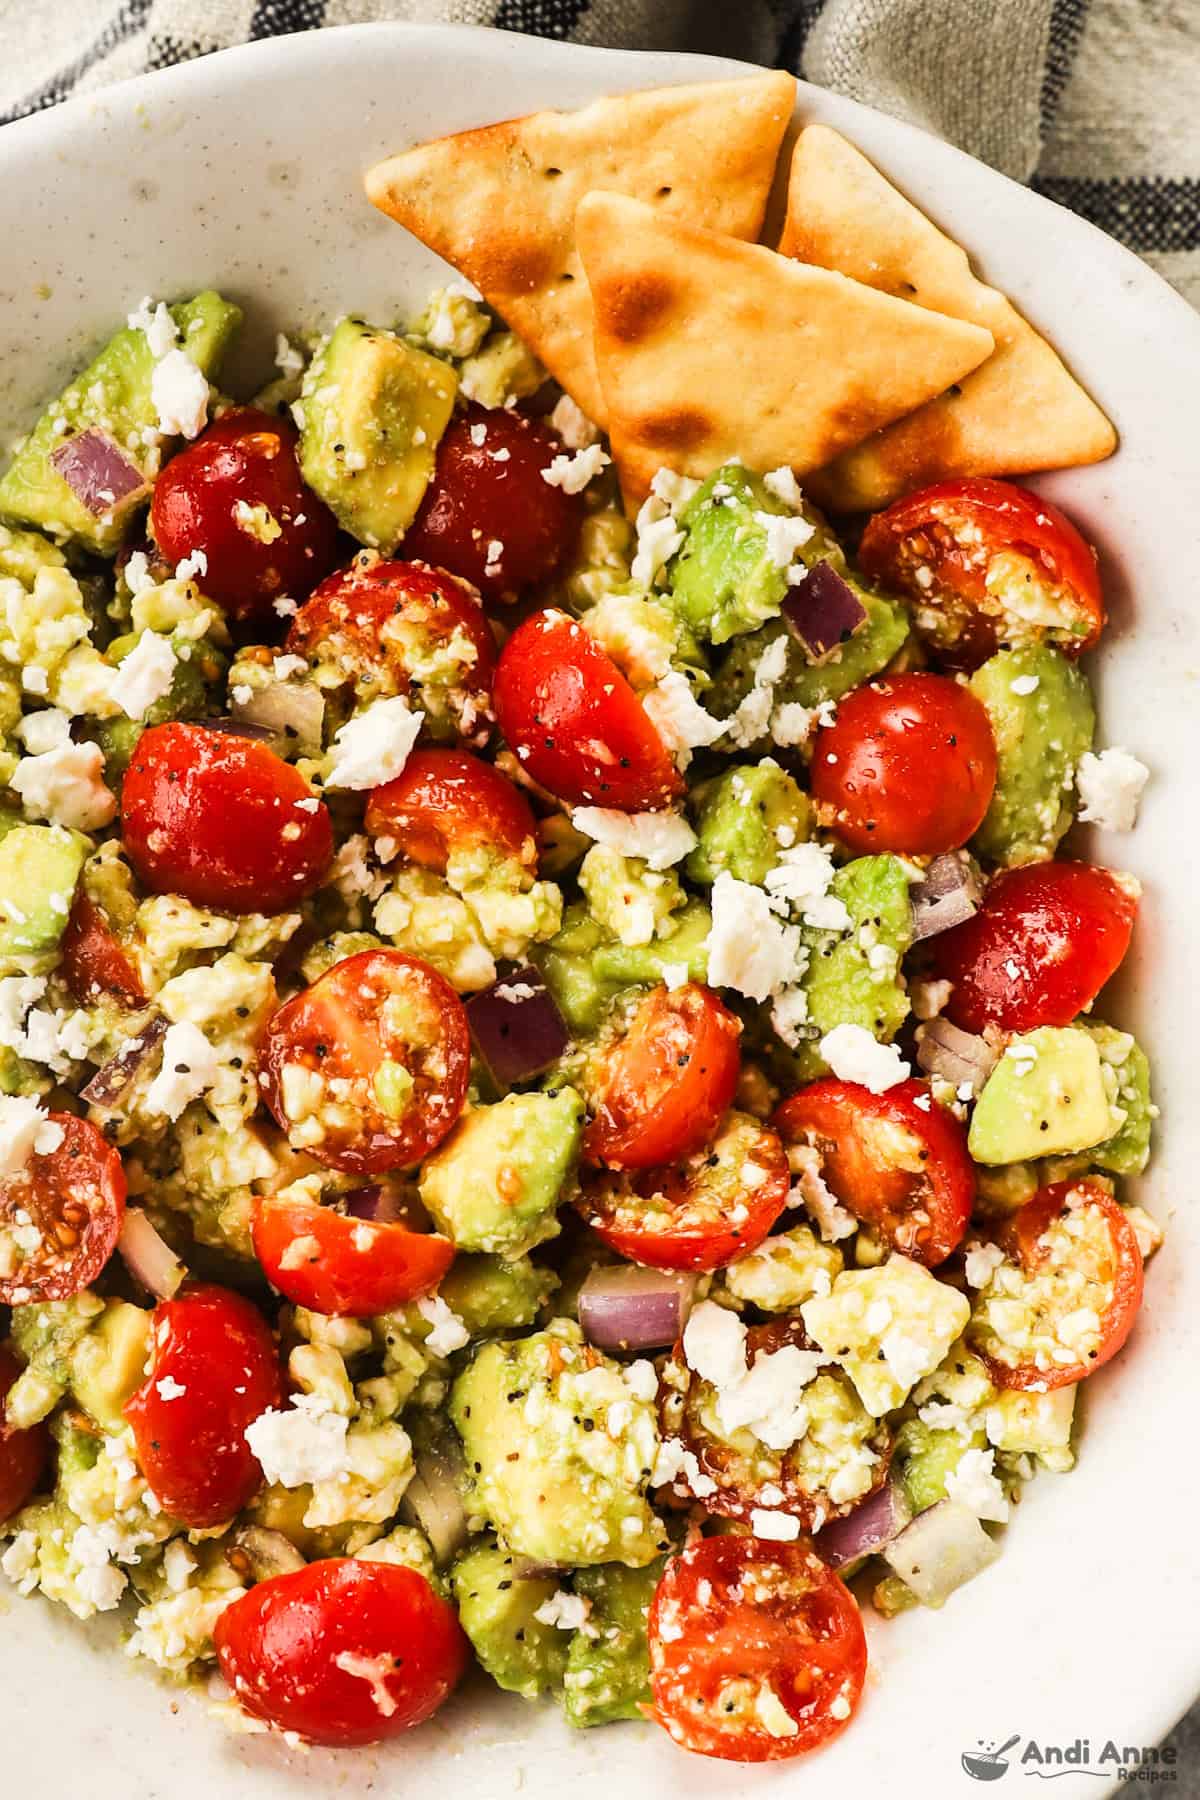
point(708, 348)
point(1019, 412)
point(499, 203)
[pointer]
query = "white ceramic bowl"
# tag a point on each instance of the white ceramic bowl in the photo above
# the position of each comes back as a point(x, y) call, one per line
point(243, 171)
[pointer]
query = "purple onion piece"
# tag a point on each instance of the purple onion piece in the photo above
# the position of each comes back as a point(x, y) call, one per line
point(624, 1307)
point(98, 472)
point(433, 1500)
point(948, 895)
point(110, 1082)
point(374, 1205)
point(518, 1029)
point(148, 1257)
point(527, 1568)
point(258, 1552)
point(867, 1529)
point(957, 1056)
point(291, 711)
point(242, 728)
point(822, 612)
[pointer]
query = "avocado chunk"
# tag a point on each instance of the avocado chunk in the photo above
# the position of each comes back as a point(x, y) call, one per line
point(1126, 1071)
point(744, 817)
point(114, 394)
point(496, 1608)
point(374, 410)
point(109, 1363)
point(495, 1182)
point(685, 947)
point(560, 1450)
point(39, 867)
point(585, 968)
point(1046, 1096)
point(925, 1457)
point(196, 664)
point(608, 1665)
point(490, 1294)
point(1040, 736)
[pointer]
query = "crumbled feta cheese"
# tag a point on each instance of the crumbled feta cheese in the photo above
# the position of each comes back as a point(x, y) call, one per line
point(789, 1015)
point(65, 786)
point(160, 329)
point(800, 881)
point(778, 1527)
point(792, 724)
point(191, 566)
point(288, 360)
point(374, 747)
point(144, 676)
point(641, 1379)
point(1024, 684)
point(973, 1484)
point(568, 1611)
point(750, 949)
point(772, 1714)
point(448, 1333)
point(305, 1443)
point(572, 473)
point(659, 839)
point(374, 1670)
point(785, 535)
point(572, 424)
point(982, 1261)
point(783, 484)
point(752, 719)
point(138, 578)
point(25, 1130)
point(179, 394)
point(190, 1065)
point(1110, 786)
point(679, 719)
point(170, 1389)
point(885, 1358)
point(675, 975)
point(768, 1397)
point(43, 731)
point(929, 998)
point(854, 1055)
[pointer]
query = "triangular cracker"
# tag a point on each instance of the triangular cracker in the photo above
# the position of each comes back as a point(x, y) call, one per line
point(708, 348)
point(499, 202)
point(1021, 411)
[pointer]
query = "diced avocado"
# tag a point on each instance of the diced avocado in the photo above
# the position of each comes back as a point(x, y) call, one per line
point(1126, 1070)
point(23, 554)
point(686, 946)
point(45, 1334)
point(503, 369)
point(1040, 736)
point(114, 394)
point(495, 1182)
point(196, 664)
point(109, 1363)
point(374, 410)
point(744, 817)
point(1024, 1423)
point(628, 898)
point(608, 1666)
point(490, 1294)
point(925, 1457)
point(39, 867)
point(585, 970)
point(1045, 1097)
point(496, 1608)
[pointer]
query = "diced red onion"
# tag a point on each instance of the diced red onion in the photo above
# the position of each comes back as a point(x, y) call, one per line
point(375, 1205)
point(948, 895)
point(957, 1056)
point(293, 711)
point(944, 1547)
point(624, 1307)
point(148, 1257)
point(525, 1568)
point(260, 1553)
point(433, 1501)
point(110, 1082)
point(518, 1029)
point(98, 472)
point(822, 612)
point(243, 728)
point(866, 1530)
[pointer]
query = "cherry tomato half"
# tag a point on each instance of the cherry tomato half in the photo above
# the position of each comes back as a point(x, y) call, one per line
point(1046, 939)
point(74, 1197)
point(367, 1069)
point(222, 820)
point(757, 1650)
point(897, 1160)
point(987, 564)
point(1066, 1298)
point(487, 514)
point(93, 963)
point(578, 727)
point(908, 765)
point(660, 1089)
point(446, 802)
point(23, 1453)
point(700, 1212)
point(342, 1652)
point(214, 1368)
point(344, 1267)
point(237, 495)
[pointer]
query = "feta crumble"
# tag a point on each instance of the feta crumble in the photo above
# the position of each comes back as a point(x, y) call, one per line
point(448, 1331)
point(854, 1055)
point(680, 720)
point(374, 747)
point(659, 839)
point(25, 1130)
point(65, 786)
point(306, 1443)
point(573, 472)
point(144, 676)
point(179, 393)
point(190, 1065)
point(750, 949)
point(1110, 787)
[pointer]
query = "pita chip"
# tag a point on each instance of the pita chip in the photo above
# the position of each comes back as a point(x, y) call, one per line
point(499, 203)
point(1021, 411)
point(708, 348)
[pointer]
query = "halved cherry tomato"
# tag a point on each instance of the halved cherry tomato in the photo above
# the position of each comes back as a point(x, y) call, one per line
point(402, 628)
point(367, 1069)
point(897, 1160)
point(447, 802)
point(908, 765)
point(757, 1650)
point(342, 1652)
point(344, 1267)
point(1046, 939)
point(222, 820)
point(700, 1212)
point(214, 1368)
point(987, 564)
point(237, 495)
point(23, 1453)
point(487, 514)
point(575, 722)
point(660, 1089)
point(93, 963)
point(1066, 1299)
point(74, 1197)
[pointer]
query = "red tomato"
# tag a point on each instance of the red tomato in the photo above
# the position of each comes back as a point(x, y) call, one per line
point(191, 1445)
point(93, 963)
point(75, 1195)
point(23, 1454)
point(208, 499)
point(909, 765)
point(961, 550)
point(448, 801)
point(222, 820)
point(578, 727)
point(698, 1213)
point(741, 1629)
point(487, 514)
point(342, 1652)
point(897, 1160)
point(378, 1008)
point(1076, 1252)
point(1046, 939)
point(344, 1267)
point(661, 1087)
point(401, 628)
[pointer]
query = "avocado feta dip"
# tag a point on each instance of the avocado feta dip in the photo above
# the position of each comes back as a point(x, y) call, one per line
point(549, 1087)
